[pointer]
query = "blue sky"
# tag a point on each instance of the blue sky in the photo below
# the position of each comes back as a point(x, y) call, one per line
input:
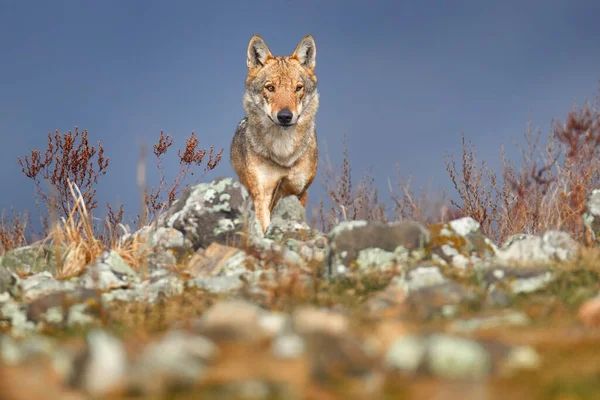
point(402, 79)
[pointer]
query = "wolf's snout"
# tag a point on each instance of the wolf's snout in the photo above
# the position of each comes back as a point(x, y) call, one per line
point(285, 116)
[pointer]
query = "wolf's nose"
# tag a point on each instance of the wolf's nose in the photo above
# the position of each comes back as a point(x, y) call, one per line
point(285, 116)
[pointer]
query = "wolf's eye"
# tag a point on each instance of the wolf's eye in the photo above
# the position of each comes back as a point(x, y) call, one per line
point(299, 88)
point(270, 88)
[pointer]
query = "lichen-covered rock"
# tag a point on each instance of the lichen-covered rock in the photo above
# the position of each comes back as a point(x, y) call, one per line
point(440, 299)
point(220, 211)
point(591, 216)
point(420, 277)
point(552, 246)
point(507, 318)
point(517, 280)
point(217, 284)
point(439, 355)
point(175, 362)
point(159, 285)
point(8, 280)
point(460, 243)
point(30, 259)
point(515, 238)
point(309, 320)
point(363, 245)
point(231, 319)
point(65, 309)
point(15, 314)
point(109, 271)
point(289, 221)
point(42, 284)
point(161, 246)
point(101, 369)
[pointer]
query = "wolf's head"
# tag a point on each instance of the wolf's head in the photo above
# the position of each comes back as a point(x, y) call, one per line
point(281, 90)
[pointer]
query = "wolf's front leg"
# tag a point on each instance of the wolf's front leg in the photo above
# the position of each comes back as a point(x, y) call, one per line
point(262, 201)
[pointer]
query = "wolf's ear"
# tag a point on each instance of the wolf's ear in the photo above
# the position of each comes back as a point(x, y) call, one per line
point(258, 52)
point(306, 52)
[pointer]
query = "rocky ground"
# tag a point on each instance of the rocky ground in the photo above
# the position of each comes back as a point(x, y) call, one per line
point(370, 311)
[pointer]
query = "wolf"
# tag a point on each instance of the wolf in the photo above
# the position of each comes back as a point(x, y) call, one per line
point(274, 149)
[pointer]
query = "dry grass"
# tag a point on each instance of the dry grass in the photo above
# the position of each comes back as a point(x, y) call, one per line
point(77, 245)
point(12, 231)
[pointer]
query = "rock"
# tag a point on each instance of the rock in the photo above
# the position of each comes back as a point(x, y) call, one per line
point(231, 320)
point(217, 284)
point(177, 361)
point(388, 302)
point(406, 354)
point(443, 356)
point(288, 220)
point(67, 308)
point(332, 357)
point(443, 299)
point(520, 358)
point(220, 211)
point(217, 259)
point(420, 277)
point(8, 280)
point(14, 352)
point(30, 259)
point(365, 244)
point(162, 247)
point(552, 246)
point(42, 284)
point(517, 280)
point(100, 370)
point(308, 320)
point(515, 238)
point(508, 318)
point(457, 358)
point(591, 216)
point(149, 291)
point(274, 323)
point(109, 271)
point(15, 314)
point(460, 243)
point(288, 346)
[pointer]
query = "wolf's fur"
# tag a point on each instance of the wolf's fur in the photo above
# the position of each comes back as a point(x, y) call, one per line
point(273, 159)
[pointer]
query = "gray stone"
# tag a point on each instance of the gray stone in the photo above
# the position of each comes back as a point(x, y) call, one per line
point(161, 246)
point(217, 284)
point(109, 271)
point(420, 277)
point(30, 259)
point(375, 244)
point(288, 346)
point(148, 291)
point(509, 318)
point(8, 280)
point(517, 280)
point(460, 243)
point(219, 211)
point(177, 361)
point(406, 354)
point(457, 358)
point(42, 284)
point(101, 368)
point(288, 220)
point(231, 319)
point(552, 246)
point(16, 315)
